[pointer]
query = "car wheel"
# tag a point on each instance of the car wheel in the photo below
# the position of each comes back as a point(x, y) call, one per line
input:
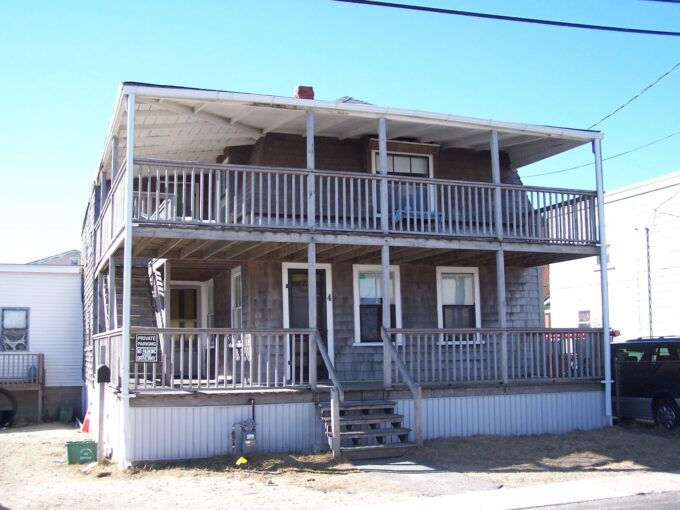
point(666, 413)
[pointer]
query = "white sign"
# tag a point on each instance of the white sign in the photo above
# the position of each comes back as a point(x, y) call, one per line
point(146, 348)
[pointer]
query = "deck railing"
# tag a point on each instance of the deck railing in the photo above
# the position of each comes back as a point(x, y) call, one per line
point(223, 358)
point(475, 355)
point(21, 368)
point(248, 196)
point(106, 350)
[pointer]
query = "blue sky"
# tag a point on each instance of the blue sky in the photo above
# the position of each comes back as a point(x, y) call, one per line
point(62, 63)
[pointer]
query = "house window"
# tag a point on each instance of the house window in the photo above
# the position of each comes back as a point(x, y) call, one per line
point(458, 297)
point(412, 165)
point(236, 299)
point(14, 329)
point(368, 302)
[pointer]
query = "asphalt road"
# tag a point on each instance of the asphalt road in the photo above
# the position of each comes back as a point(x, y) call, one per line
point(659, 501)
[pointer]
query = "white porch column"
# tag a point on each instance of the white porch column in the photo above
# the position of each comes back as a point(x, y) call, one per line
point(311, 249)
point(496, 178)
point(604, 285)
point(115, 161)
point(126, 433)
point(311, 183)
point(386, 322)
point(502, 315)
point(500, 255)
point(382, 164)
point(311, 282)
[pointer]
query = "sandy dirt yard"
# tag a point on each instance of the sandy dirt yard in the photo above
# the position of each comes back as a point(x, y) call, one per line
point(33, 472)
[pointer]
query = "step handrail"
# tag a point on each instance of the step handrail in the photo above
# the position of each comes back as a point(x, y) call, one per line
point(329, 365)
point(416, 389)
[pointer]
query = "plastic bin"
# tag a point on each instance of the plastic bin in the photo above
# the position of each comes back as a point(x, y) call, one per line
point(81, 452)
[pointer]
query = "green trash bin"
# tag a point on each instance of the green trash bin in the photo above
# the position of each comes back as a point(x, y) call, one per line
point(81, 452)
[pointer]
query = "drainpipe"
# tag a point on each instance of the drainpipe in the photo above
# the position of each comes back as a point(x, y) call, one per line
point(604, 286)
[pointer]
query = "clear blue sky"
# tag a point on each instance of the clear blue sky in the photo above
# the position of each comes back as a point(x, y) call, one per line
point(62, 63)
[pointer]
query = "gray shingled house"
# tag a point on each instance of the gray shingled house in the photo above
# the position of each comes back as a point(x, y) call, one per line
point(328, 274)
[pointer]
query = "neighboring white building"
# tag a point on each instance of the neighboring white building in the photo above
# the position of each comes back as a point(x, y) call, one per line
point(41, 313)
point(643, 236)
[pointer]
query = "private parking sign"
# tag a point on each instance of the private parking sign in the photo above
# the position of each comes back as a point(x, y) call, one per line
point(146, 348)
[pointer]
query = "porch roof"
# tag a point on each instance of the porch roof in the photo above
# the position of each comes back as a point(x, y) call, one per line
point(197, 124)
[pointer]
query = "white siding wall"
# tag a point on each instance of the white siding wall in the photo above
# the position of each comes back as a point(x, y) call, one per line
point(506, 415)
point(55, 318)
point(193, 432)
point(163, 433)
point(575, 285)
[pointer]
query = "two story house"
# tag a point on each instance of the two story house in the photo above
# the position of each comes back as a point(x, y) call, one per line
point(290, 274)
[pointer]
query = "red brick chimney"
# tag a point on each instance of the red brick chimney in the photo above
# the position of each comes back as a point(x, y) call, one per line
point(303, 92)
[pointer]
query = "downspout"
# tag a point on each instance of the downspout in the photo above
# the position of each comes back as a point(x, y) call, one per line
point(604, 286)
point(124, 458)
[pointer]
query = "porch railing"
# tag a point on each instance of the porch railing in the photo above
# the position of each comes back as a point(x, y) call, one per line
point(192, 359)
point(249, 196)
point(106, 350)
point(474, 355)
point(21, 368)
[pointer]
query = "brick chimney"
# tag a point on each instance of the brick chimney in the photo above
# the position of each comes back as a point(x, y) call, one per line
point(303, 92)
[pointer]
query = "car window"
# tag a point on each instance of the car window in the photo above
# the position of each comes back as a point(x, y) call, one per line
point(665, 354)
point(629, 354)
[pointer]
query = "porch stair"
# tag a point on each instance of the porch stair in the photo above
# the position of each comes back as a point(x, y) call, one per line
point(142, 306)
point(369, 429)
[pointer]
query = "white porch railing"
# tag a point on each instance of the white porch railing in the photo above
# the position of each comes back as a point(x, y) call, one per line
point(106, 350)
point(474, 355)
point(233, 195)
point(224, 358)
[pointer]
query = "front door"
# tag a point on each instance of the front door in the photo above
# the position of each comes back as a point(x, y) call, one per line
point(298, 315)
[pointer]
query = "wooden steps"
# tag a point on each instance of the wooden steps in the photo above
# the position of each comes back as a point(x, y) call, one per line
point(369, 429)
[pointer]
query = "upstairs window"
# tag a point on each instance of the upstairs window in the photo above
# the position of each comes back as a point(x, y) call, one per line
point(14, 329)
point(411, 165)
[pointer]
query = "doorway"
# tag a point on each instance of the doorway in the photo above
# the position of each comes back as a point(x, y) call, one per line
point(296, 307)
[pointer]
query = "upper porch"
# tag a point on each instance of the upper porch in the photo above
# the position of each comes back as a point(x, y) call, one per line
point(222, 166)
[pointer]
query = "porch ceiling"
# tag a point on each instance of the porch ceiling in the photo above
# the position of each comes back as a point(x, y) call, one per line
point(196, 125)
point(200, 260)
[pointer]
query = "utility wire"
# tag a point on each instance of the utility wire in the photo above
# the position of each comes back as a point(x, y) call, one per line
point(509, 18)
point(636, 95)
point(604, 159)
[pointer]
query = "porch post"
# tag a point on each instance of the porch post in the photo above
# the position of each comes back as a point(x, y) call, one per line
point(114, 156)
point(604, 284)
point(386, 291)
point(502, 316)
point(126, 433)
point(311, 183)
point(496, 178)
point(311, 282)
point(382, 163)
point(500, 255)
point(113, 296)
point(311, 249)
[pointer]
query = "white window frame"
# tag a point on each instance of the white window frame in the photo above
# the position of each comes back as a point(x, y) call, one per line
point(360, 268)
point(441, 270)
point(430, 162)
point(235, 273)
point(202, 305)
point(28, 327)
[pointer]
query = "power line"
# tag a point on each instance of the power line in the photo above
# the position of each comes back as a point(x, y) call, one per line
point(509, 18)
point(636, 95)
point(604, 159)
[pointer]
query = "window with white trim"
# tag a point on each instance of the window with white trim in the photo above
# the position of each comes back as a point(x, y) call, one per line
point(14, 329)
point(412, 165)
point(368, 302)
point(458, 297)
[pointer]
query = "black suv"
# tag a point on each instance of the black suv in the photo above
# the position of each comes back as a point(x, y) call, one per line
point(647, 377)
